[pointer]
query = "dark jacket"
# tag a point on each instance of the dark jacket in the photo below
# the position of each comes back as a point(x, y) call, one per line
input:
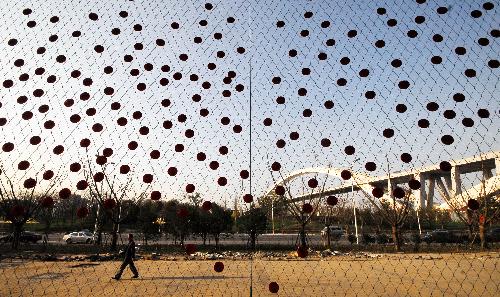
point(130, 251)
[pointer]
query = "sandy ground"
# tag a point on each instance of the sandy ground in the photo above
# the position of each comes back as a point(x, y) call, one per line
point(387, 275)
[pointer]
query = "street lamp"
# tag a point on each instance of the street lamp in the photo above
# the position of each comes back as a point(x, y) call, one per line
point(354, 202)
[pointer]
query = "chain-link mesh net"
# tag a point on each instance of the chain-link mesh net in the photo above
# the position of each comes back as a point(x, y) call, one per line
point(253, 147)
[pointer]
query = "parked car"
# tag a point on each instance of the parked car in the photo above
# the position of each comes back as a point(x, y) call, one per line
point(336, 232)
point(438, 235)
point(493, 235)
point(26, 236)
point(79, 237)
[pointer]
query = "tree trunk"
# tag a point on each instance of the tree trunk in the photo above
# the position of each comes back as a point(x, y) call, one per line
point(216, 237)
point(303, 236)
point(253, 238)
point(395, 238)
point(204, 236)
point(114, 234)
point(17, 235)
point(482, 236)
point(328, 237)
point(471, 233)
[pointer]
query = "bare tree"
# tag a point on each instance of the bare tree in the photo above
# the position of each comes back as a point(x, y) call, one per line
point(21, 201)
point(117, 200)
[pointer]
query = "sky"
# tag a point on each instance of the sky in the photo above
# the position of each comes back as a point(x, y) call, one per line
point(354, 119)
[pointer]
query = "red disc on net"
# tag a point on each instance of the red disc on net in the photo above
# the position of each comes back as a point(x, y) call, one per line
point(222, 181)
point(445, 166)
point(473, 204)
point(370, 166)
point(155, 154)
point(307, 208)
point(214, 165)
point(101, 160)
point(47, 202)
point(82, 185)
point(99, 177)
point(346, 174)
point(218, 266)
point(332, 200)
point(82, 212)
point(349, 150)
point(206, 206)
point(378, 192)
point(124, 169)
point(280, 190)
point(65, 193)
point(274, 287)
point(190, 248)
point(109, 203)
point(58, 150)
point(312, 183)
point(48, 174)
point(398, 192)
point(75, 167)
point(85, 142)
point(182, 212)
point(201, 156)
point(147, 178)
point(172, 171)
point(248, 198)
point(244, 174)
point(414, 184)
point(302, 251)
point(29, 183)
point(132, 145)
point(179, 148)
point(107, 152)
point(8, 147)
point(17, 211)
point(155, 195)
point(23, 165)
point(276, 166)
point(190, 188)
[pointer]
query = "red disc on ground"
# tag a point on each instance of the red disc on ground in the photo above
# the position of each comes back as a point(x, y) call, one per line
point(274, 287)
point(218, 266)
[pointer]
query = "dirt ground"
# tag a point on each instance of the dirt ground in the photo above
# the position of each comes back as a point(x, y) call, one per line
point(372, 275)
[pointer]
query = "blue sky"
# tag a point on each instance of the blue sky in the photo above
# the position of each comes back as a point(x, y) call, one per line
point(353, 121)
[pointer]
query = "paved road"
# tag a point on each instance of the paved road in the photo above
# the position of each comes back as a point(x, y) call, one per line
point(230, 239)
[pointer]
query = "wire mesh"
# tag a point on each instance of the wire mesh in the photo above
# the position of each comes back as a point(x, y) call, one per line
point(252, 147)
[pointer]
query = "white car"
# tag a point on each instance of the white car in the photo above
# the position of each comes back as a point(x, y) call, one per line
point(78, 237)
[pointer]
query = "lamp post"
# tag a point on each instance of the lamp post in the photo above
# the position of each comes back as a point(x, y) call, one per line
point(354, 203)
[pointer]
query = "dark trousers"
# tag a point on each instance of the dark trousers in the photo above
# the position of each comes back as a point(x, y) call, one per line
point(126, 262)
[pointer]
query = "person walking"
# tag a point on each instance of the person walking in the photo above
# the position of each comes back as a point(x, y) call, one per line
point(129, 259)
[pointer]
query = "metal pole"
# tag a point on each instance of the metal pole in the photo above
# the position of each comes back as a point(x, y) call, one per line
point(272, 212)
point(418, 221)
point(355, 219)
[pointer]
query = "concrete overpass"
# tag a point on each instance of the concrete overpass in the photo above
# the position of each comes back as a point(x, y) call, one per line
point(448, 183)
